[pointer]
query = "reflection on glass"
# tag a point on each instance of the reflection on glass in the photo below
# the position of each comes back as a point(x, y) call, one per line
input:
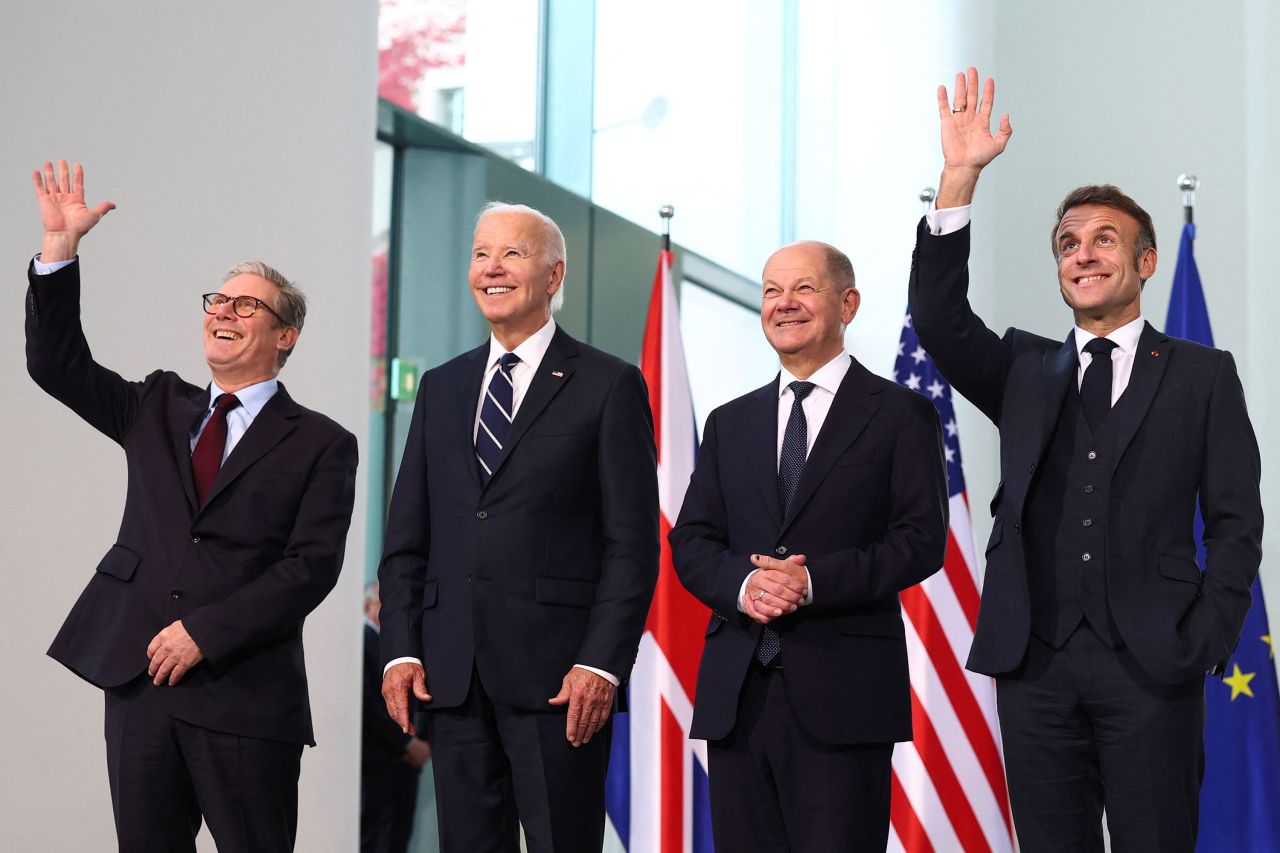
point(469, 67)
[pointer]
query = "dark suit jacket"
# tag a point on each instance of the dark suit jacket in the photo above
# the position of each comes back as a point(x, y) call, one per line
point(550, 564)
point(869, 513)
point(1184, 430)
point(241, 572)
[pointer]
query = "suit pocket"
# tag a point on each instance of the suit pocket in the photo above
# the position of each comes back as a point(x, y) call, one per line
point(1179, 568)
point(430, 590)
point(120, 563)
point(714, 624)
point(995, 499)
point(871, 624)
point(563, 591)
point(997, 534)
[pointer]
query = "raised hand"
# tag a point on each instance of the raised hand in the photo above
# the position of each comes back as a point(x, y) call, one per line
point(63, 213)
point(967, 141)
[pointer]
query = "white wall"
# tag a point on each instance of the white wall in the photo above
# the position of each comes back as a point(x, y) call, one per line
point(222, 131)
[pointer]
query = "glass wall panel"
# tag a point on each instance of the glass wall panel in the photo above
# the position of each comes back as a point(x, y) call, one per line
point(724, 347)
point(470, 67)
point(374, 454)
point(691, 114)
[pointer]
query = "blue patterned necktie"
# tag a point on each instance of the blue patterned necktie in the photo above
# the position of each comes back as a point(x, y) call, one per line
point(795, 447)
point(495, 415)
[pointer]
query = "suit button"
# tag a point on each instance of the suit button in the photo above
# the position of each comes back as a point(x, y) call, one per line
point(175, 594)
point(1017, 527)
point(1092, 454)
point(1086, 557)
point(1032, 469)
point(195, 539)
point(482, 515)
point(1088, 490)
point(1088, 522)
point(780, 550)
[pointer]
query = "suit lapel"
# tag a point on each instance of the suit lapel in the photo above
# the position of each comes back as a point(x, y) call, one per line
point(273, 423)
point(1058, 370)
point(553, 374)
point(1148, 368)
point(184, 417)
point(762, 452)
point(854, 405)
point(472, 378)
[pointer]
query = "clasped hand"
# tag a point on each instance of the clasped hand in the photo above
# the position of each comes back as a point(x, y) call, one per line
point(776, 588)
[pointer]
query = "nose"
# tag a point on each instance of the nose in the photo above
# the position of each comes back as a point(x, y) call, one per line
point(226, 310)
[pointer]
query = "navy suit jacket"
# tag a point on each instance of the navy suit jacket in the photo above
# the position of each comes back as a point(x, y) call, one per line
point(870, 516)
point(553, 561)
point(241, 572)
point(1183, 431)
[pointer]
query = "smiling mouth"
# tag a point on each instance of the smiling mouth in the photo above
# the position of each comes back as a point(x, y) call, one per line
point(788, 323)
point(495, 291)
point(1090, 279)
point(227, 335)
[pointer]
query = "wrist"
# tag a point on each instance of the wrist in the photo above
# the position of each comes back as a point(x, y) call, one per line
point(59, 246)
point(956, 186)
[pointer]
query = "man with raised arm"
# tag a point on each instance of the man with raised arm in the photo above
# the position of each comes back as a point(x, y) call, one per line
point(1095, 620)
point(521, 555)
point(234, 526)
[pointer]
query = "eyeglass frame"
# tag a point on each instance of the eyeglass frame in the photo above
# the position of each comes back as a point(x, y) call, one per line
point(234, 300)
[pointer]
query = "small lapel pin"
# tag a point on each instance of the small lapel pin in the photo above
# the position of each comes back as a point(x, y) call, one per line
point(1155, 353)
point(559, 374)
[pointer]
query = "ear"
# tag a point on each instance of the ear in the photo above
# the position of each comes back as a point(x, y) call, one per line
point(557, 276)
point(1147, 264)
point(850, 302)
point(287, 338)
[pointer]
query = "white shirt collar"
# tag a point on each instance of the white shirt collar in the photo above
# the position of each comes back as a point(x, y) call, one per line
point(828, 377)
point(252, 398)
point(1126, 337)
point(531, 350)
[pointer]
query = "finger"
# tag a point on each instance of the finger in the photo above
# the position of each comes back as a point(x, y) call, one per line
point(77, 179)
point(153, 646)
point(958, 100)
point(763, 562)
point(64, 179)
point(38, 180)
point(572, 720)
point(774, 592)
point(176, 674)
point(944, 105)
point(988, 98)
point(49, 180)
point(756, 613)
point(971, 90)
point(162, 674)
point(776, 605)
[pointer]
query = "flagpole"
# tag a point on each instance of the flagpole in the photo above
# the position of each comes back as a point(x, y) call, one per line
point(666, 212)
point(1188, 184)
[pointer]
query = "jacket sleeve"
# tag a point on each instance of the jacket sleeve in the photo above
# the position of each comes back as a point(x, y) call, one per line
point(974, 359)
point(627, 469)
point(700, 540)
point(915, 542)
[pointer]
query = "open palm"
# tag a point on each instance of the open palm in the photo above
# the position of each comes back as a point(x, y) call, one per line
point(61, 200)
point(967, 141)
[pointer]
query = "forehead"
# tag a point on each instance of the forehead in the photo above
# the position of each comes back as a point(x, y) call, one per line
point(793, 263)
point(508, 229)
point(248, 284)
point(1094, 217)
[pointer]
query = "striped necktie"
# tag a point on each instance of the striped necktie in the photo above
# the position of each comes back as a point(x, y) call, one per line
point(495, 415)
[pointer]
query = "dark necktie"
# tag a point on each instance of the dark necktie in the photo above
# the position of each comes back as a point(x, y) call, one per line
point(795, 447)
point(206, 459)
point(495, 415)
point(1095, 389)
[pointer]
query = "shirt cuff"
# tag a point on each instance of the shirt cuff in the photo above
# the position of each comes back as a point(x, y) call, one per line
point(607, 676)
point(399, 661)
point(42, 268)
point(948, 220)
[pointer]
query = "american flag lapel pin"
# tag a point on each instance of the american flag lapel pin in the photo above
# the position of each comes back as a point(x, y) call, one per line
point(559, 374)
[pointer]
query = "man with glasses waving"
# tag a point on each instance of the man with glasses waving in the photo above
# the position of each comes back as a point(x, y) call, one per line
point(234, 527)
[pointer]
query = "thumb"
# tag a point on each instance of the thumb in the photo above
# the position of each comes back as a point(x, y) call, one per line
point(561, 697)
point(798, 559)
point(420, 686)
point(102, 209)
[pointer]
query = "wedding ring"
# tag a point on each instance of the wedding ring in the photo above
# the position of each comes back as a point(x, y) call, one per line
point(954, 110)
point(760, 595)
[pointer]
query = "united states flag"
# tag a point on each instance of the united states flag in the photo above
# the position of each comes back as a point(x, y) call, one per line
point(657, 795)
point(949, 790)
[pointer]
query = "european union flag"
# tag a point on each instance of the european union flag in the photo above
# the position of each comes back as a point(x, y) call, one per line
point(1240, 798)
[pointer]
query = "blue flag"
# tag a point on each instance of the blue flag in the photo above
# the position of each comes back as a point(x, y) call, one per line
point(1240, 798)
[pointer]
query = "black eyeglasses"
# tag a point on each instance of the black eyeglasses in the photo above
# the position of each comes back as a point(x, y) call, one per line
point(244, 306)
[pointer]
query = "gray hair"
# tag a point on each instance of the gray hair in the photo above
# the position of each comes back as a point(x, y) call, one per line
point(291, 302)
point(553, 249)
point(371, 592)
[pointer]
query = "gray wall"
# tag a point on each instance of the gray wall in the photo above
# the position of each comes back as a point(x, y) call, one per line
point(222, 131)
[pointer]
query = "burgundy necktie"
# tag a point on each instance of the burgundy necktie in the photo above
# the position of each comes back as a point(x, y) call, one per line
point(206, 459)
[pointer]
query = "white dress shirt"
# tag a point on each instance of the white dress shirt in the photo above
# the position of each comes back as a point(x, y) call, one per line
point(951, 219)
point(816, 406)
point(531, 351)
